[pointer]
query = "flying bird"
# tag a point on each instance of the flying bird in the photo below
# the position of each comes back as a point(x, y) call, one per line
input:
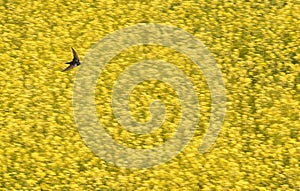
point(75, 62)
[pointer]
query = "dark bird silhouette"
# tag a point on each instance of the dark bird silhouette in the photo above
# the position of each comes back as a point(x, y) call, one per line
point(75, 62)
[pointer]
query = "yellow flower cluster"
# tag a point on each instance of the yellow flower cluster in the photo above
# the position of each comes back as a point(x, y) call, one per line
point(256, 46)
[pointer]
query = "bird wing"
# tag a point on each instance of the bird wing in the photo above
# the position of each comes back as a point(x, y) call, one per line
point(69, 68)
point(75, 55)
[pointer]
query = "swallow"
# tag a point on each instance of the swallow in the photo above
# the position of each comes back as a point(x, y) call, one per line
point(75, 62)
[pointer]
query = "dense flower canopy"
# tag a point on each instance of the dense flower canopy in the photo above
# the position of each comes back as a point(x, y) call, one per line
point(256, 46)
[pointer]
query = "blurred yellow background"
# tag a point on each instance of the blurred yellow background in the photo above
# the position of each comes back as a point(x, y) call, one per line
point(256, 46)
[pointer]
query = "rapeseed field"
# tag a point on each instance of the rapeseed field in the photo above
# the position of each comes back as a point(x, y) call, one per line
point(254, 42)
